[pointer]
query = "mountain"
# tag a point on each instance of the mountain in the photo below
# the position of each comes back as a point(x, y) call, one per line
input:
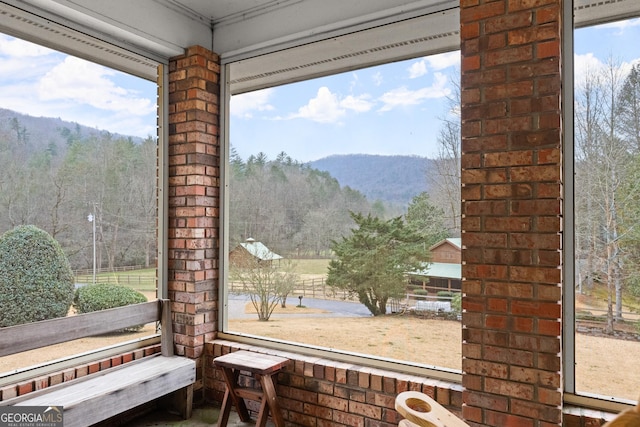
point(392, 179)
point(41, 132)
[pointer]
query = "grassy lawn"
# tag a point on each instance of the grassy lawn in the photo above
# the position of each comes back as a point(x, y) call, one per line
point(311, 266)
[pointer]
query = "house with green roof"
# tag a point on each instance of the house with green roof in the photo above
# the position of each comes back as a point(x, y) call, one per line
point(444, 271)
point(250, 251)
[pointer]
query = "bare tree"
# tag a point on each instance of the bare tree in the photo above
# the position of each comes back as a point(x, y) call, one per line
point(266, 283)
point(444, 177)
point(602, 173)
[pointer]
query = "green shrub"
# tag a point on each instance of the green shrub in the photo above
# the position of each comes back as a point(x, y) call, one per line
point(444, 295)
point(456, 302)
point(36, 281)
point(102, 296)
point(420, 294)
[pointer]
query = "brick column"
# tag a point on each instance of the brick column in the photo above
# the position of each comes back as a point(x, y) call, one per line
point(511, 205)
point(194, 176)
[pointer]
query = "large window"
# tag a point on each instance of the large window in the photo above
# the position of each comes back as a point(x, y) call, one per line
point(607, 203)
point(342, 191)
point(78, 160)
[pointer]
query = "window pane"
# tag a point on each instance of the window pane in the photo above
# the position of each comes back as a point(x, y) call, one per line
point(318, 171)
point(78, 152)
point(607, 200)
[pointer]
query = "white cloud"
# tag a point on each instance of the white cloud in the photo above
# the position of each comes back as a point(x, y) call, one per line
point(246, 104)
point(81, 82)
point(418, 69)
point(359, 104)
point(42, 82)
point(327, 107)
point(437, 62)
point(620, 25)
point(444, 60)
point(402, 97)
point(377, 79)
point(19, 48)
point(584, 65)
point(18, 63)
point(324, 108)
point(587, 65)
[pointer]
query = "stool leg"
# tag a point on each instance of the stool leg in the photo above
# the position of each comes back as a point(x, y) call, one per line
point(231, 379)
point(225, 410)
point(263, 414)
point(269, 390)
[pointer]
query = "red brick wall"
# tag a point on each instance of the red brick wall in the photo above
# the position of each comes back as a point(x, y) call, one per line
point(194, 190)
point(511, 177)
point(319, 392)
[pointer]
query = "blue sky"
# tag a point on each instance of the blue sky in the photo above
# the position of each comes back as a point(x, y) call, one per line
point(41, 82)
point(391, 109)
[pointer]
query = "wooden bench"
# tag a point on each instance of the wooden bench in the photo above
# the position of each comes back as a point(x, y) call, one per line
point(104, 394)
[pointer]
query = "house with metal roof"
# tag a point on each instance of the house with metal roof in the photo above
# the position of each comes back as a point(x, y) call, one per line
point(250, 249)
point(444, 271)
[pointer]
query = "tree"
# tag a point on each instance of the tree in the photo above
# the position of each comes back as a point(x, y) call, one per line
point(608, 193)
point(372, 262)
point(629, 108)
point(265, 283)
point(444, 178)
point(426, 219)
point(36, 281)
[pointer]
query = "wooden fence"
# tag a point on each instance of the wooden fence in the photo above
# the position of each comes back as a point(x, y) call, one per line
point(89, 271)
point(311, 288)
point(134, 281)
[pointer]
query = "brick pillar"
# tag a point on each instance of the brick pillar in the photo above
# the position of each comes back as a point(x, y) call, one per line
point(511, 205)
point(194, 177)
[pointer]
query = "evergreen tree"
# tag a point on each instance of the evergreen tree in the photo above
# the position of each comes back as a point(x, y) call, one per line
point(426, 219)
point(373, 261)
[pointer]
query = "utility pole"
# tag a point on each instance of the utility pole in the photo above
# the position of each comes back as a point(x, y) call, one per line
point(92, 219)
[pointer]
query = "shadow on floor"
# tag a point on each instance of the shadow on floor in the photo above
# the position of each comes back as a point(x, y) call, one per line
point(202, 416)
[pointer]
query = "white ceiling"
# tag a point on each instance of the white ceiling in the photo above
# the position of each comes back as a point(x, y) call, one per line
point(154, 30)
point(163, 28)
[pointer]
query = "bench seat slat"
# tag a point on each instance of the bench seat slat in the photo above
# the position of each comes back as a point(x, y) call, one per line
point(15, 339)
point(99, 397)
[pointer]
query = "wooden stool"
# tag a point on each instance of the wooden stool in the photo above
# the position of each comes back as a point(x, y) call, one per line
point(263, 367)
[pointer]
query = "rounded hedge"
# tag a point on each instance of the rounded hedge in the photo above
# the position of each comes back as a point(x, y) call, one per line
point(102, 296)
point(36, 281)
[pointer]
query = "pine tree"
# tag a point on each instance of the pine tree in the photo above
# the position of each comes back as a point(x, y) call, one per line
point(372, 262)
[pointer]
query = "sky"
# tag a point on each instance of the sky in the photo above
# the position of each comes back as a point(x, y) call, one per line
point(41, 82)
point(393, 109)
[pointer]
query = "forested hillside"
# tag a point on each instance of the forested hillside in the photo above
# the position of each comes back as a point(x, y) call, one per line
point(53, 174)
point(391, 179)
point(291, 207)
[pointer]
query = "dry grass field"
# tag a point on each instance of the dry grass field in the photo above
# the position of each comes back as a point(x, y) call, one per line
point(605, 366)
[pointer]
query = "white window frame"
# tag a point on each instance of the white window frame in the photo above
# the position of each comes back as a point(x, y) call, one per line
point(45, 31)
point(322, 58)
point(579, 14)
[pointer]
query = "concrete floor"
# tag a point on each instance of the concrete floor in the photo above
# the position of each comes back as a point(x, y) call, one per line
point(202, 416)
